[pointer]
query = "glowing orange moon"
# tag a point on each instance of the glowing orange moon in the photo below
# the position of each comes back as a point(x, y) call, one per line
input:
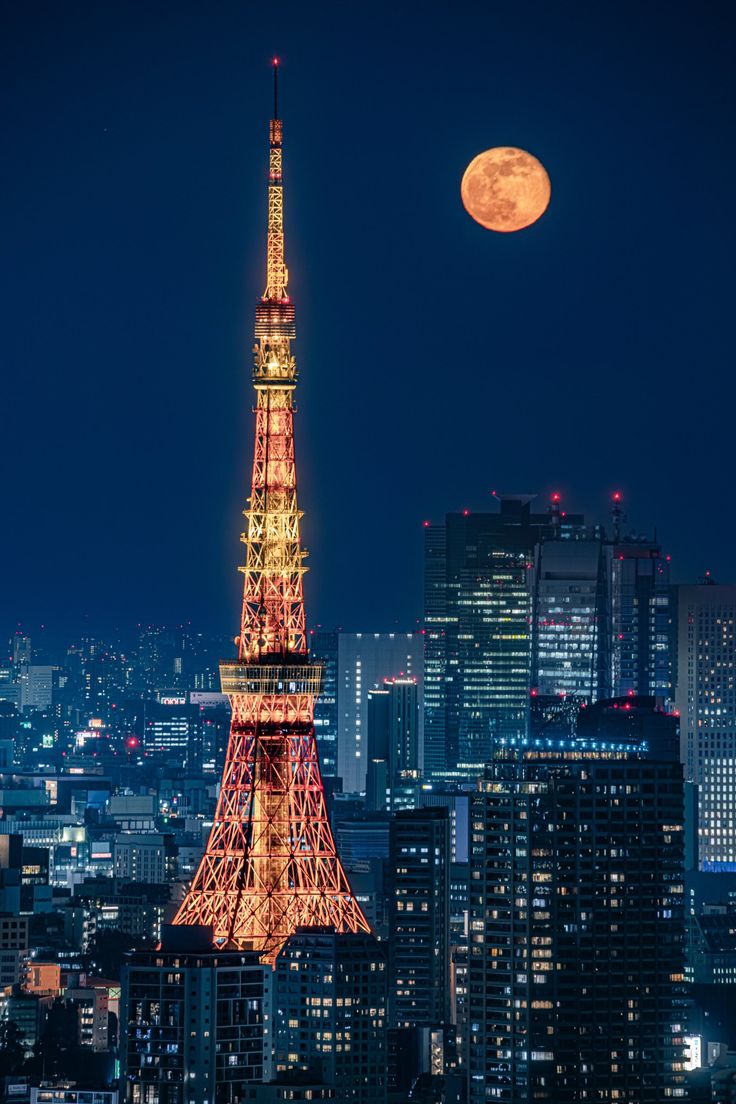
point(505, 189)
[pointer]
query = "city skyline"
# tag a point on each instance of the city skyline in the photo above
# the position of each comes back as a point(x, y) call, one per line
point(148, 315)
point(477, 845)
point(52, 634)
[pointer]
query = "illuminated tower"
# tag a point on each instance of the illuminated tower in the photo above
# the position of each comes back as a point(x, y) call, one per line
point(271, 864)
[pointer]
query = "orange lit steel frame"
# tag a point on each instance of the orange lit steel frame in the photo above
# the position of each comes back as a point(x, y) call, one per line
point(271, 863)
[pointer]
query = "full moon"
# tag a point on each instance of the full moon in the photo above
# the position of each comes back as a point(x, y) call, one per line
point(505, 189)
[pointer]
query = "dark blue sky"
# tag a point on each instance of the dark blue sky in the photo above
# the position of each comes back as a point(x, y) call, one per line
point(439, 361)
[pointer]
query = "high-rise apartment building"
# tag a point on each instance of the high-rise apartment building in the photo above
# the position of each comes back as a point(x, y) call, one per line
point(329, 994)
point(706, 702)
point(365, 661)
point(194, 1026)
point(419, 918)
point(576, 927)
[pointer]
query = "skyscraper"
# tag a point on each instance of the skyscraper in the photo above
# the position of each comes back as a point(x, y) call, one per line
point(323, 648)
point(706, 702)
point(419, 918)
point(393, 738)
point(643, 619)
point(365, 661)
point(576, 926)
point(330, 1012)
point(571, 645)
point(602, 612)
point(22, 652)
point(477, 599)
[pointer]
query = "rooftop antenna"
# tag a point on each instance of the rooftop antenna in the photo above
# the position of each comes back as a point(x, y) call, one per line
point(275, 88)
point(616, 499)
point(554, 511)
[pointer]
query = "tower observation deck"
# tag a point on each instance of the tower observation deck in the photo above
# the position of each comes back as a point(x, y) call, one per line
point(271, 864)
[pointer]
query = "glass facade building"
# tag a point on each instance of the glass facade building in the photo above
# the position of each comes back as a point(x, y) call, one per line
point(366, 661)
point(706, 702)
point(571, 630)
point(643, 620)
point(323, 649)
point(478, 641)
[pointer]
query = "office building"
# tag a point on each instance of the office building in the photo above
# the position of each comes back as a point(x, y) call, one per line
point(603, 613)
point(36, 686)
point(571, 638)
point(13, 950)
point(22, 651)
point(706, 702)
point(26, 1011)
point(478, 588)
point(419, 918)
point(329, 992)
point(393, 743)
point(643, 620)
point(361, 839)
point(214, 722)
point(575, 976)
point(139, 857)
point(173, 730)
point(457, 805)
point(9, 691)
point(323, 648)
point(366, 661)
point(193, 1021)
point(711, 945)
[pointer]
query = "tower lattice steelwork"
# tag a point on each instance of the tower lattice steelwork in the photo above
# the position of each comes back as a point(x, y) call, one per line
point(271, 864)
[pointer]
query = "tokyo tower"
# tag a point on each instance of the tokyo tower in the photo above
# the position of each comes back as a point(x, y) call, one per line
point(271, 865)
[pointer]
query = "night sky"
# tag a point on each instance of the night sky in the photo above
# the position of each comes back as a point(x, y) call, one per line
point(439, 361)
